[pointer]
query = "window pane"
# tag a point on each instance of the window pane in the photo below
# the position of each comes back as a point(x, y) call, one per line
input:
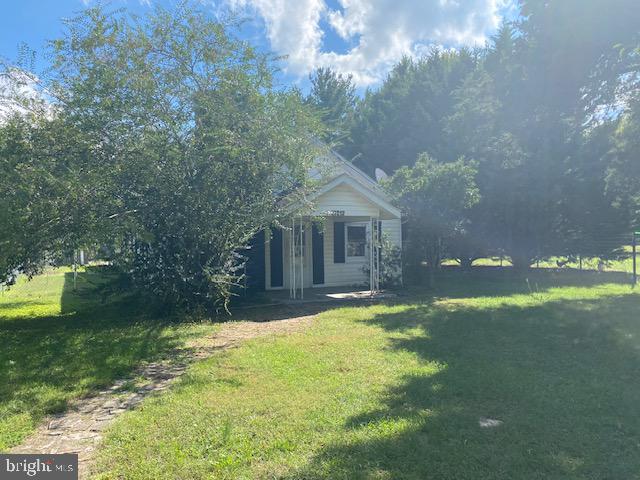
point(356, 241)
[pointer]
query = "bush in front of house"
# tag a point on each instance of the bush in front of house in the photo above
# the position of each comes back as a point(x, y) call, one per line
point(167, 141)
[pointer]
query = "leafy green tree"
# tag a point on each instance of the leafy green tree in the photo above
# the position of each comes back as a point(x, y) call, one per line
point(576, 50)
point(623, 173)
point(24, 223)
point(489, 124)
point(536, 109)
point(43, 206)
point(530, 125)
point(406, 116)
point(592, 224)
point(334, 97)
point(579, 67)
point(435, 198)
point(175, 143)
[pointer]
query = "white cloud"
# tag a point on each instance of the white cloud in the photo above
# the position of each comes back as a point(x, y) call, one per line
point(381, 30)
point(20, 94)
point(292, 27)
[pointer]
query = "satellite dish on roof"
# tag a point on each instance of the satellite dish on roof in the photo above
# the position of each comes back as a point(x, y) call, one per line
point(381, 175)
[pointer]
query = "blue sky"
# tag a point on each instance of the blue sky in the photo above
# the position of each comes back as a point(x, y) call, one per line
point(359, 37)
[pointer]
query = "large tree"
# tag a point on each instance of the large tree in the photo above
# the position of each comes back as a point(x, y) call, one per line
point(406, 115)
point(493, 123)
point(534, 115)
point(175, 143)
point(435, 198)
point(623, 174)
point(536, 110)
point(34, 177)
point(334, 98)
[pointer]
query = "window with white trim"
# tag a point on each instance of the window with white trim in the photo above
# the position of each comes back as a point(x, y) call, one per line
point(356, 240)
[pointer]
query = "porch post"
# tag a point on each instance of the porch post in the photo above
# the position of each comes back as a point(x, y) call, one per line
point(296, 241)
point(374, 256)
point(378, 250)
point(371, 255)
point(302, 258)
point(292, 272)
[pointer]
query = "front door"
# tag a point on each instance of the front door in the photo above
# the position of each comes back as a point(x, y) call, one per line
point(317, 246)
point(276, 259)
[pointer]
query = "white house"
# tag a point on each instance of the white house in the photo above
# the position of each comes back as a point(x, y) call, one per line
point(329, 243)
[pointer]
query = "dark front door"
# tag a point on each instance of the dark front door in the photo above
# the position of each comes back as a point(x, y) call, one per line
point(255, 263)
point(275, 255)
point(317, 243)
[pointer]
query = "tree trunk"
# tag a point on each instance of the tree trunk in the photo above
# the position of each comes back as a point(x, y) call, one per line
point(521, 263)
point(466, 263)
point(434, 259)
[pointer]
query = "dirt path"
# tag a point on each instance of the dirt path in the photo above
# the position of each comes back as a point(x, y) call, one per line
point(80, 429)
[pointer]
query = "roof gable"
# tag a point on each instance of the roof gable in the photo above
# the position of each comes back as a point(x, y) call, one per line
point(330, 166)
point(371, 201)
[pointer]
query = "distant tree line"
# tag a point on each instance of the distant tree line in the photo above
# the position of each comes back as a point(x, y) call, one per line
point(535, 136)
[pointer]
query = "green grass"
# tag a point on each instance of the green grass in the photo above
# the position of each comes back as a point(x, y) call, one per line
point(58, 344)
point(396, 391)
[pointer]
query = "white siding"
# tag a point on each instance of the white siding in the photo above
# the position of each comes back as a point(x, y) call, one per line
point(392, 229)
point(341, 274)
point(356, 208)
point(351, 272)
point(346, 199)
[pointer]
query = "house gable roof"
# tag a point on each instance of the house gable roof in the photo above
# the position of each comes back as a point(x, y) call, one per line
point(371, 195)
point(332, 171)
point(332, 165)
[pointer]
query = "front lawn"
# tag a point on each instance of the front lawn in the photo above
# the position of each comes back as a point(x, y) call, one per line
point(58, 344)
point(398, 391)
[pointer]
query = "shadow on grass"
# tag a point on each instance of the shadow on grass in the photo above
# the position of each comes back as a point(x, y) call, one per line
point(46, 361)
point(561, 376)
point(452, 283)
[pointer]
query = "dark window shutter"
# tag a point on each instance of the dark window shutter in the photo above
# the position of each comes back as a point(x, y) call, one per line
point(275, 253)
point(338, 242)
point(318, 254)
point(254, 267)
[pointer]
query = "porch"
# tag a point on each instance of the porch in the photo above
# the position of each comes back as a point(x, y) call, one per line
point(327, 295)
point(323, 251)
point(331, 239)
